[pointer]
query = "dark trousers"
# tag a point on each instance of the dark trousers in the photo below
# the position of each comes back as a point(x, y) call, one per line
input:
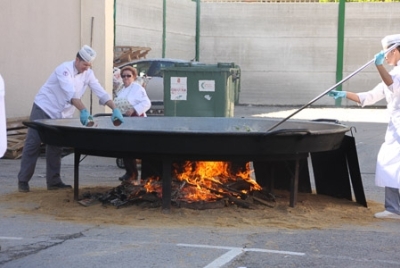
point(31, 152)
point(131, 167)
point(392, 200)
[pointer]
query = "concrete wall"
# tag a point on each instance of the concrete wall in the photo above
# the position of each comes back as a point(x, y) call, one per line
point(36, 36)
point(140, 23)
point(287, 51)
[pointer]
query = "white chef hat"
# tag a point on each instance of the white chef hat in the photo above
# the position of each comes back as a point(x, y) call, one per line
point(87, 53)
point(389, 40)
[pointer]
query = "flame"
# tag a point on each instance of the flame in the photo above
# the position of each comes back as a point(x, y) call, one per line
point(152, 185)
point(204, 180)
point(205, 175)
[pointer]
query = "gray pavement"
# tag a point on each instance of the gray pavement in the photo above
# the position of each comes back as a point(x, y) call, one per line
point(37, 241)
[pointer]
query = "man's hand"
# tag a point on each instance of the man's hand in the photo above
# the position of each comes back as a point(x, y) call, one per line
point(85, 117)
point(337, 94)
point(379, 58)
point(117, 116)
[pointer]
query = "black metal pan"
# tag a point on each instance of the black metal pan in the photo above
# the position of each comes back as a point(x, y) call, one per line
point(204, 137)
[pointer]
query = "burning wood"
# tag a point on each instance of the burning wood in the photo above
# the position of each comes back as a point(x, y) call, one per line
point(196, 185)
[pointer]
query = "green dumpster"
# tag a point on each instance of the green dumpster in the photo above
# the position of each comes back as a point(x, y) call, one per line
point(201, 90)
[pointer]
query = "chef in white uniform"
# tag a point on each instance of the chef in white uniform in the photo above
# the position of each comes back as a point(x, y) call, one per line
point(58, 98)
point(388, 163)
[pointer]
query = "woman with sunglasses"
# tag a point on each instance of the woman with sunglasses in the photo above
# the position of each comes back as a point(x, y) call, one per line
point(132, 100)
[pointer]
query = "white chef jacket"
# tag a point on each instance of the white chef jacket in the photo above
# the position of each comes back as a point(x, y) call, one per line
point(387, 172)
point(65, 83)
point(137, 97)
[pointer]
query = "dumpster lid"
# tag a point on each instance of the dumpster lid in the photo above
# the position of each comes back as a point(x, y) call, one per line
point(195, 66)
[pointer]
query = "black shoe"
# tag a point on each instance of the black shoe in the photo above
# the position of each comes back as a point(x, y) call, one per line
point(59, 185)
point(23, 187)
point(126, 177)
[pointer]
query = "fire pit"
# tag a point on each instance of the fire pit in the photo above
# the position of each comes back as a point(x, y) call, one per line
point(195, 185)
point(170, 139)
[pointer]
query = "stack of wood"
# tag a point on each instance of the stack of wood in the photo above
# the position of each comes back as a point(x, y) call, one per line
point(237, 193)
point(123, 54)
point(16, 135)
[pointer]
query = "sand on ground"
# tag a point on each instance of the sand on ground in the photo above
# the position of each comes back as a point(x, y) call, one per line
point(312, 211)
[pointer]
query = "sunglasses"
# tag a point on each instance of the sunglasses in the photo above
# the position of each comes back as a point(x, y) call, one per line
point(126, 75)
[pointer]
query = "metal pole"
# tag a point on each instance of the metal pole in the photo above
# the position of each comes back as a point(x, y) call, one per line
point(91, 45)
point(340, 45)
point(331, 88)
point(164, 34)
point(115, 19)
point(197, 30)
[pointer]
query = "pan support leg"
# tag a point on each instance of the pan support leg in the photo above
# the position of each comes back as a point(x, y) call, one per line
point(166, 185)
point(294, 184)
point(287, 172)
point(77, 157)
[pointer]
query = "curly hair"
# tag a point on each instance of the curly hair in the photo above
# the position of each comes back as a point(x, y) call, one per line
point(131, 69)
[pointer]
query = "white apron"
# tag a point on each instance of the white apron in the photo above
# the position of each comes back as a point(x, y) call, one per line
point(387, 173)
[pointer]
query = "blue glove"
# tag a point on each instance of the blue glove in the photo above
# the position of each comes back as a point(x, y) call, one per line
point(85, 117)
point(337, 94)
point(116, 115)
point(379, 58)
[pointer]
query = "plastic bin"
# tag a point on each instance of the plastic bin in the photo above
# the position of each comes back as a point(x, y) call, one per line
point(201, 90)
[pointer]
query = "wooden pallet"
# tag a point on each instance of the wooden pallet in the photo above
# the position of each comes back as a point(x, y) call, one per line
point(16, 135)
point(123, 54)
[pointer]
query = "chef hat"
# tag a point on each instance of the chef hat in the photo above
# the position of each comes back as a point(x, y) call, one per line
point(389, 40)
point(87, 53)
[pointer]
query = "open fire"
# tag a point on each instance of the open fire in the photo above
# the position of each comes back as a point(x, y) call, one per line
point(197, 185)
point(209, 181)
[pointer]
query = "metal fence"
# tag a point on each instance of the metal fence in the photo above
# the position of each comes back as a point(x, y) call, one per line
point(292, 1)
point(259, 1)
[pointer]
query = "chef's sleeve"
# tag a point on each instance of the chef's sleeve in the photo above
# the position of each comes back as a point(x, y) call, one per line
point(97, 89)
point(374, 95)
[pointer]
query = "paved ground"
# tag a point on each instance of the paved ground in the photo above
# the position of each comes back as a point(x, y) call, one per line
point(37, 241)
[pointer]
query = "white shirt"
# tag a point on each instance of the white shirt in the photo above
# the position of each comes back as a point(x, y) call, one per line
point(387, 173)
point(65, 83)
point(392, 96)
point(137, 97)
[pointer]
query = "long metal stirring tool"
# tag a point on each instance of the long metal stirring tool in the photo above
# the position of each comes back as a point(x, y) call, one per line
point(331, 88)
